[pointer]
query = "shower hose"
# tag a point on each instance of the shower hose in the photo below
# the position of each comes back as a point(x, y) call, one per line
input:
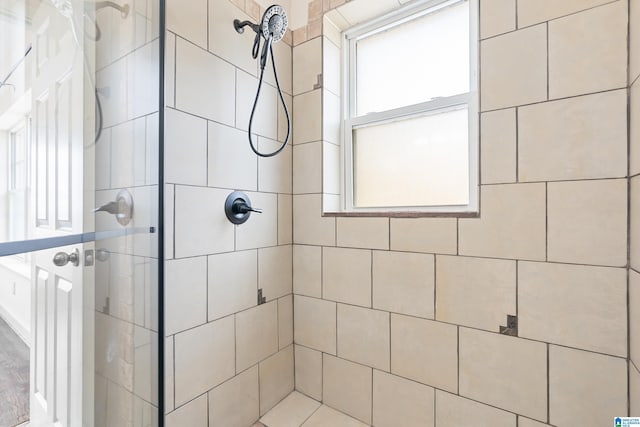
point(267, 51)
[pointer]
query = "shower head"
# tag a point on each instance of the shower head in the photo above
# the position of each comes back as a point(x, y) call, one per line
point(274, 23)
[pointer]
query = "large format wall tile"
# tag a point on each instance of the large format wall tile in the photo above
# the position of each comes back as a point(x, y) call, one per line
point(417, 346)
point(186, 162)
point(197, 69)
point(507, 372)
point(347, 387)
point(309, 226)
point(307, 271)
point(576, 138)
point(514, 68)
point(511, 224)
point(186, 288)
point(346, 276)
point(497, 17)
point(586, 386)
point(403, 283)
point(204, 358)
point(231, 164)
point(498, 133)
point(256, 334)
point(315, 323)
point(274, 271)
point(235, 402)
point(276, 378)
point(201, 226)
point(401, 402)
point(431, 235)
point(573, 305)
point(363, 233)
point(188, 20)
point(587, 222)
point(588, 51)
point(307, 65)
point(224, 41)
point(534, 11)
point(475, 292)
point(308, 372)
point(193, 413)
point(233, 283)
point(363, 336)
point(452, 410)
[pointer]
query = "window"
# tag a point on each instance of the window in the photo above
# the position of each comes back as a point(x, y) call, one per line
point(410, 115)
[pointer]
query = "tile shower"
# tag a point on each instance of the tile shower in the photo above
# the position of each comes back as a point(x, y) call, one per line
point(396, 321)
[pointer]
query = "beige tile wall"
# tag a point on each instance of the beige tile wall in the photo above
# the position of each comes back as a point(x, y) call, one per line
point(231, 359)
point(549, 247)
point(397, 320)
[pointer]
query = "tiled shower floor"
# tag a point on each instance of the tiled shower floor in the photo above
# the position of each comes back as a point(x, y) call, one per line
point(299, 410)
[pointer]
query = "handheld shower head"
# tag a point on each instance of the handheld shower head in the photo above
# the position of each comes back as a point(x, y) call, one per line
point(274, 23)
point(272, 28)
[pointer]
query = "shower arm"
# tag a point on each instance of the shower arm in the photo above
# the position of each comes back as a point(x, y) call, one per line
point(239, 26)
point(124, 10)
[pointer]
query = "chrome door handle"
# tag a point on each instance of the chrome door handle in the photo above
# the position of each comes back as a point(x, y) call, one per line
point(122, 207)
point(62, 258)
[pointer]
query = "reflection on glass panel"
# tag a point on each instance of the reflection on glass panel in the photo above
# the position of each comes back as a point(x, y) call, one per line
point(79, 124)
point(422, 161)
point(126, 279)
point(414, 62)
point(63, 151)
point(18, 182)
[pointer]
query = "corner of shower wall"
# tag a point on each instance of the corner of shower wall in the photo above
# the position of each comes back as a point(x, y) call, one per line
point(226, 356)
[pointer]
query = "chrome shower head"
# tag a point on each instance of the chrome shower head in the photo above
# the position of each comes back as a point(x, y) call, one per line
point(274, 23)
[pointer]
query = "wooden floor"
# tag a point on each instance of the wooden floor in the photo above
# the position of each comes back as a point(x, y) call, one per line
point(14, 378)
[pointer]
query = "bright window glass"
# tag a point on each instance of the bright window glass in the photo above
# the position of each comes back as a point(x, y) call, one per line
point(411, 111)
point(422, 161)
point(414, 61)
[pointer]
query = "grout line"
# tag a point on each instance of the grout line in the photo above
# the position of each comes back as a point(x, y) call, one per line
point(546, 222)
point(517, 282)
point(517, 144)
point(548, 20)
point(435, 406)
point(629, 195)
point(371, 278)
point(458, 233)
point(548, 387)
point(435, 286)
point(175, 69)
point(173, 369)
point(458, 357)
point(547, 52)
point(564, 98)
point(454, 324)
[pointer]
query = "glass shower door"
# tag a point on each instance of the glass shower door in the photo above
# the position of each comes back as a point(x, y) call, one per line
point(79, 210)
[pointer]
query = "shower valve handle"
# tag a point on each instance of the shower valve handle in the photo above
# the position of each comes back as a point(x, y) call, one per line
point(240, 206)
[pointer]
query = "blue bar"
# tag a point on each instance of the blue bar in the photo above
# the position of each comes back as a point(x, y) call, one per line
point(32, 245)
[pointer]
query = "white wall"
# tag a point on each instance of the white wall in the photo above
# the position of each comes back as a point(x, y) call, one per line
point(15, 296)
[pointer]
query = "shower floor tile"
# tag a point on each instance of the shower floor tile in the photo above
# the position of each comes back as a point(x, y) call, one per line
point(299, 410)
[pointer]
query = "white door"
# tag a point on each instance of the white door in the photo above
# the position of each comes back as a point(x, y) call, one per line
point(57, 179)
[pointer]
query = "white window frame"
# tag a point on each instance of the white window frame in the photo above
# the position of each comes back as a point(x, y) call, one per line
point(351, 121)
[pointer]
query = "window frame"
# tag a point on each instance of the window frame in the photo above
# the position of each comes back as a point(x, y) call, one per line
point(350, 121)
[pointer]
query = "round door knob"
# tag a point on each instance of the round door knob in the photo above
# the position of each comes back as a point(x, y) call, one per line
point(62, 258)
